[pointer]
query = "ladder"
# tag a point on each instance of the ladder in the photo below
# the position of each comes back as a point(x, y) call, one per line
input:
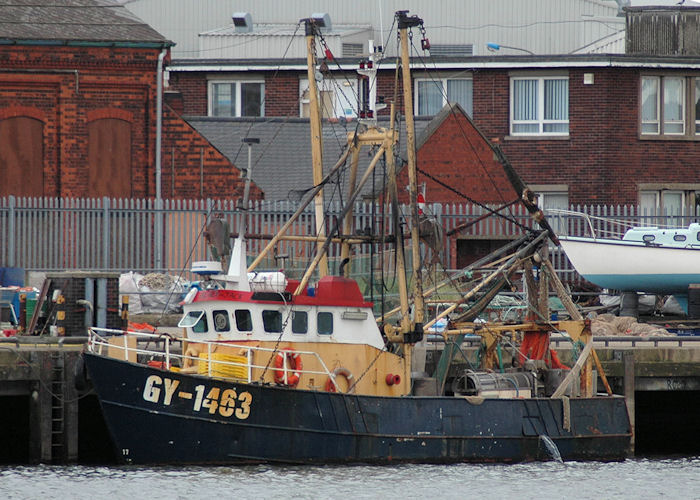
point(58, 450)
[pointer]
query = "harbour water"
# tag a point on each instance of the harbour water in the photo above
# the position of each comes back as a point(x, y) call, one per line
point(634, 479)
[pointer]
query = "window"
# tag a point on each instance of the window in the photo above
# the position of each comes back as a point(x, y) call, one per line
point(197, 320)
point(668, 201)
point(325, 323)
point(539, 105)
point(338, 97)
point(432, 95)
point(221, 322)
point(552, 199)
point(697, 105)
point(669, 106)
point(236, 98)
point(300, 322)
point(272, 321)
point(244, 322)
point(668, 204)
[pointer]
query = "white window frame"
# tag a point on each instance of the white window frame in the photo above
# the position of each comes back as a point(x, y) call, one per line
point(341, 108)
point(688, 193)
point(667, 123)
point(656, 122)
point(540, 120)
point(694, 101)
point(690, 121)
point(545, 191)
point(443, 83)
point(238, 95)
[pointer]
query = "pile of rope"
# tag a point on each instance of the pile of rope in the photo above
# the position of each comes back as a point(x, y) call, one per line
point(609, 325)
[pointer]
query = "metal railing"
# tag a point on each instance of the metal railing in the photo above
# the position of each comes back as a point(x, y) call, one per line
point(160, 346)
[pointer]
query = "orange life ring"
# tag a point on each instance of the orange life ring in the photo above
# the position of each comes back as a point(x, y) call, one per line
point(295, 366)
point(330, 386)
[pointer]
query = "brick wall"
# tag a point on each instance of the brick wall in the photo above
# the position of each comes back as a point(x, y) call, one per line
point(281, 92)
point(184, 152)
point(64, 85)
point(462, 160)
point(193, 88)
point(603, 159)
point(67, 88)
point(282, 95)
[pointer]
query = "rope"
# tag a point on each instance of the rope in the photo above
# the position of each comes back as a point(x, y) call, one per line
point(367, 369)
point(275, 350)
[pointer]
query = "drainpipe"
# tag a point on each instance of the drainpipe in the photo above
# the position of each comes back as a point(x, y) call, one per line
point(159, 119)
point(159, 143)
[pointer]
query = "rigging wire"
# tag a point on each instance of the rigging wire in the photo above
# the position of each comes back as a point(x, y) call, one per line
point(464, 135)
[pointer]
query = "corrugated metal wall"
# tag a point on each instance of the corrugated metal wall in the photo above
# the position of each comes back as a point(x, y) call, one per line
point(541, 26)
point(665, 32)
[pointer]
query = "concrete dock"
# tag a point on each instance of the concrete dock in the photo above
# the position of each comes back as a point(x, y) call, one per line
point(48, 418)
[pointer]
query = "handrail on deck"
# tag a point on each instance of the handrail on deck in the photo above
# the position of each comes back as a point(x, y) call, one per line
point(97, 341)
point(584, 216)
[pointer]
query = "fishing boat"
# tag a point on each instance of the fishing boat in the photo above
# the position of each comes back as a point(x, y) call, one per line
point(272, 369)
point(646, 259)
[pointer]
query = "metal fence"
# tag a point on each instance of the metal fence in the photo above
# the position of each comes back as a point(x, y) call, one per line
point(50, 234)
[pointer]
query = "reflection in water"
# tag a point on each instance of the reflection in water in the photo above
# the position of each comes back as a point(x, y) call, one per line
point(639, 478)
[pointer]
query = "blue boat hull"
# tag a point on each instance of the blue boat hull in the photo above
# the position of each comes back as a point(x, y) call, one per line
point(156, 416)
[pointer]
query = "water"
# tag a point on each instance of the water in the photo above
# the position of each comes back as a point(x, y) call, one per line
point(633, 479)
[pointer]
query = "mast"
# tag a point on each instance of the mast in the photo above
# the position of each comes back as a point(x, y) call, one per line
point(311, 27)
point(404, 22)
point(400, 258)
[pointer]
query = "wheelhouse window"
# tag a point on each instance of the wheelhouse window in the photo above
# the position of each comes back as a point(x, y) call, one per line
point(539, 105)
point(324, 323)
point(669, 106)
point(221, 321)
point(272, 321)
point(432, 95)
point(197, 320)
point(236, 98)
point(244, 321)
point(300, 322)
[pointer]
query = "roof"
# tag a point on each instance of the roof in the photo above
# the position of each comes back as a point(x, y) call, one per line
point(525, 61)
point(282, 161)
point(283, 30)
point(74, 21)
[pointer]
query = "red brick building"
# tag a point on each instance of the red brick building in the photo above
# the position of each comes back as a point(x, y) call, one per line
point(622, 129)
point(78, 109)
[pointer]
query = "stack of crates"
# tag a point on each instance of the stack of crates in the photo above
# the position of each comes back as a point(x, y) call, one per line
point(223, 365)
